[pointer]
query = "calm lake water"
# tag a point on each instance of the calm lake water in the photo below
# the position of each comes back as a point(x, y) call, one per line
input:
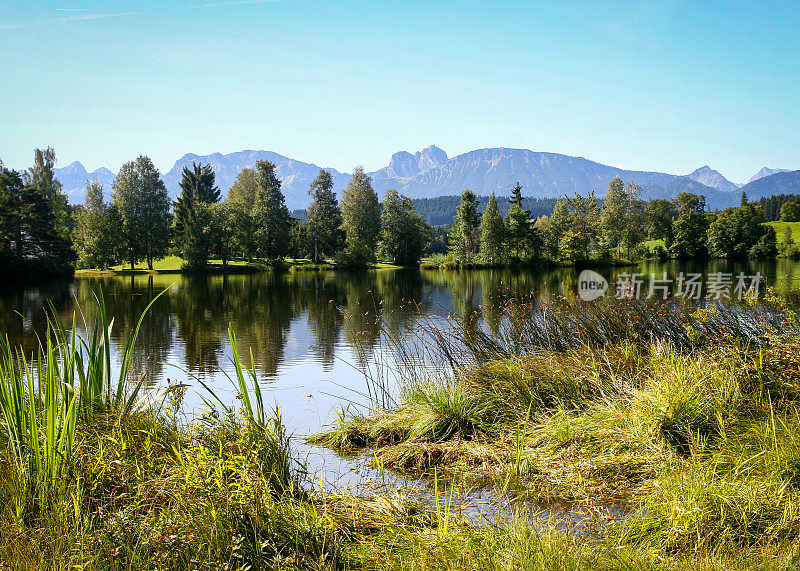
point(312, 334)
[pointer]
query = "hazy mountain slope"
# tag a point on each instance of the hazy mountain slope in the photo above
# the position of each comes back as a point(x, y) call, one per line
point(430, 173)
point(765, 172)
point(296, 176)
point(709, 177)
point(787, 182)
point(542, 175)
point(73, 179)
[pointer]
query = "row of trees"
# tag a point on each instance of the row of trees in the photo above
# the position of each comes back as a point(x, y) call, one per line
point(39, 231)
point(580, 229)
point(253, 222)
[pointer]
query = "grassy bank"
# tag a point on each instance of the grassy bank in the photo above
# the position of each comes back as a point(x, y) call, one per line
point(694, 432)
point(174, 265)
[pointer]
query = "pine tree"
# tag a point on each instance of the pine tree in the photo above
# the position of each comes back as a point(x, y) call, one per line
point(94, 232)
point(518, 226)
point(143, 205)
point(361, 214)
point(271, 217)
point(464, 235)
point(493, 232)
point(516, 196)
point(788, 247)
point(192, 215)
point(323, 218)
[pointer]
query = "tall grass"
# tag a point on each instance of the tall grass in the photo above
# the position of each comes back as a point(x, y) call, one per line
point(523, 324)
point(39, 414)
point(67, 381)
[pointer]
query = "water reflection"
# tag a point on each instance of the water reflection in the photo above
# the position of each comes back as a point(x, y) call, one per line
point(300, 317)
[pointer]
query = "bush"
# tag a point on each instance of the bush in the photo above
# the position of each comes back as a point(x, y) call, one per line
point(790, 212)
point(355, 256)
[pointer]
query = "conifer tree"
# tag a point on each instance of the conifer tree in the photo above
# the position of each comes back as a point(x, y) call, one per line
point(361, 214)
point(493, 232)
point(271, 217)
point(516, 196)
point(464, 235)
point(29, 240)
point(192, 214)
point(323, 218)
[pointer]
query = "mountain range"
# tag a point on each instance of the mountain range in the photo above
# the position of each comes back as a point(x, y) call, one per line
point(430, 173)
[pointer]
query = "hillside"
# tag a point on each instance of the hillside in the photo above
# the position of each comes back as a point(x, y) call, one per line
point(765, 172)
point(787, 182)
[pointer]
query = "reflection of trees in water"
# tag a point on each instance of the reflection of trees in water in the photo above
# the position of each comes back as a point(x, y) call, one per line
point(125, 300)
point(322, 295)
point(361, 308)
point(339, 306)
point(260, 308)
point(401, 292)
point(23, 312)
point(200, 313)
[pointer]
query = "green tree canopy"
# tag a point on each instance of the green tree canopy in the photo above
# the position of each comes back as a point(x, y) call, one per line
point(464, 235)
point(95, 231)
point(790, 211)
point(239, 208)
point(192, 214)
point(141, 199)
point(323, 218)
point(271, 217)
point(659, 215)
point(493, 232)
point(42, 176)
point(735, 232)
point(404, 233)
point(622, 215)
point(361, 214)
point(788, 246)
point(29, 240)
point(690, 226)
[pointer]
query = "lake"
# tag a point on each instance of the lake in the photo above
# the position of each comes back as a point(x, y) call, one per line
point(312, 334)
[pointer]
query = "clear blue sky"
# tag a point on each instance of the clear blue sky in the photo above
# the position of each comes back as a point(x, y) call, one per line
point(665, 86)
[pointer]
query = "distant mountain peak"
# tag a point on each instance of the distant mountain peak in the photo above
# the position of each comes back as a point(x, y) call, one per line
point(709, 177)
point(405, 165)
point(429, 157)
point(766, 172)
